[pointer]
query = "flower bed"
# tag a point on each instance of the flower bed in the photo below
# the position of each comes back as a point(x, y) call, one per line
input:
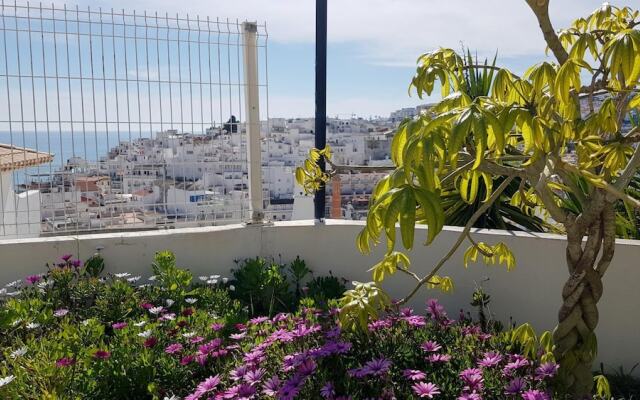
point(71, 333)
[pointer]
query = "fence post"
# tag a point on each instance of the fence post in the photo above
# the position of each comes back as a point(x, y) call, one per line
point(252, 107)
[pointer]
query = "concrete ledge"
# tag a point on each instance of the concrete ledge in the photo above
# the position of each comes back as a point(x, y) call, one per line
point(530, 293)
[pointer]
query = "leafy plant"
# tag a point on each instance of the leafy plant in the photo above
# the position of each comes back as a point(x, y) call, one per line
point(322, 289)
point(520, 129)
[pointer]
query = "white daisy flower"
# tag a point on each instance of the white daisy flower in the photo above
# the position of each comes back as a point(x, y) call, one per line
point(16, 322)
point(14, 283)
point(225, 280)
point(169, 302)
point(60, 312)
point(18, 353)
point(134, 279)
point(139, 324)
point(122, 275)
point(232, 288)
point(14, 294)
point(152, 278)
point(203, 278)
point(212, 281)
point(188, 334)
point(168, 317)
point(33, 325)
point(3, 291)
point(7, 380)
point(145, 334)
point(215, 277)
point(174, 397)
point(156, 310)
point(85, 322)
point(190, 300)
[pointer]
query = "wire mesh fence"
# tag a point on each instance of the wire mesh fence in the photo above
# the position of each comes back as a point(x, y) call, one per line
point(113, 120)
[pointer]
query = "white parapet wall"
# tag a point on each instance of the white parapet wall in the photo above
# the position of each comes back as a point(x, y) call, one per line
point(529, 293)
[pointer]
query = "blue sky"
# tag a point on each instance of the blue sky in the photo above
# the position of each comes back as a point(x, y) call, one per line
point(373, 44)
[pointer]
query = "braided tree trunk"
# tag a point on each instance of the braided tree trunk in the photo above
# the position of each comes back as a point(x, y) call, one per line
point(574, 337)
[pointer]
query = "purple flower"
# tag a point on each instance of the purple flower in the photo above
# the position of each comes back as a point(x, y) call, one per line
point(208, 384)
point(379, 325)
point(254, 376)
point(490, 359)
point(76, 263)
point(416, 321)
point(66, 257)
point(186, 360)
point(196, 339)
point(65, 362)
point(217, 326)
point(307, 367)
point(377, 367)
point(427, 390)
point(547, 370)
point(430, 346)
point(518, 362)
point(173, 348)
point(470, 396)
point(150, 342)
point(438, 358)
point(516, 386)
point(239, 373)
point(101, 355)
point(473, 379)
point(33, 279)
point(328, 391)
point(271, 386)
point(414, 374)
point(119, 325)
point(258, 320)
point(535, 395)
point(435, 309)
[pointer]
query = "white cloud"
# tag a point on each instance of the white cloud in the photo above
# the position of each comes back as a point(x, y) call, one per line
point(391, 32)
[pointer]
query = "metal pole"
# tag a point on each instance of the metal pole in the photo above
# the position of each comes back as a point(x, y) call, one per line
point(252, 103)
point(321, 98)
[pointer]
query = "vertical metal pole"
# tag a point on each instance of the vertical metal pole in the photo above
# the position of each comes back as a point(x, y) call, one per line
point(252, 103)
point(321, 98)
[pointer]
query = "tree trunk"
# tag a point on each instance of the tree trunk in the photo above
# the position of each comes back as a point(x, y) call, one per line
point(574, 337)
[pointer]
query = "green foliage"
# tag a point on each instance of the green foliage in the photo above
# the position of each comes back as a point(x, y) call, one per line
point(324, 289)
point(267, 287)
point(361, 305)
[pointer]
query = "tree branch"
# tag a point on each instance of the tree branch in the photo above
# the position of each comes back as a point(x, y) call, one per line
point(479, 212)
point(541, 9)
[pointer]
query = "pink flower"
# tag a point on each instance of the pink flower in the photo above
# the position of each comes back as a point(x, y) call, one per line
point(65, 362)
point(61, 312)
point(414, 374)
point(430, 346)
point(33, 279)
point(173, 348)
point(150, 342)
point(490, 359)
point(535, 395)
point(217, 326)
point(436, 358)
point(101, 355)
point(427, 390)
point(119, 325)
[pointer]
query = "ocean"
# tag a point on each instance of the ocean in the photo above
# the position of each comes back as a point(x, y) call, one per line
point(64, 145)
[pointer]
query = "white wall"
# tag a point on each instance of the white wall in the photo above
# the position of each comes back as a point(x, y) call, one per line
point(531, 292)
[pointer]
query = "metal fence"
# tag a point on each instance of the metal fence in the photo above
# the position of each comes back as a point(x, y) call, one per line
point(114, 120)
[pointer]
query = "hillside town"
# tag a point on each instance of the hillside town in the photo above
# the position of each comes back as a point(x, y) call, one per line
point(185, 179)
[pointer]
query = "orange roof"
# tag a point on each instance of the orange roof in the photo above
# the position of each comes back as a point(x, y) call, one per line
point(12, 157)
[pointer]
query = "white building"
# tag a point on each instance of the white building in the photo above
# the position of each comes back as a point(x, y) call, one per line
point(19, 212)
